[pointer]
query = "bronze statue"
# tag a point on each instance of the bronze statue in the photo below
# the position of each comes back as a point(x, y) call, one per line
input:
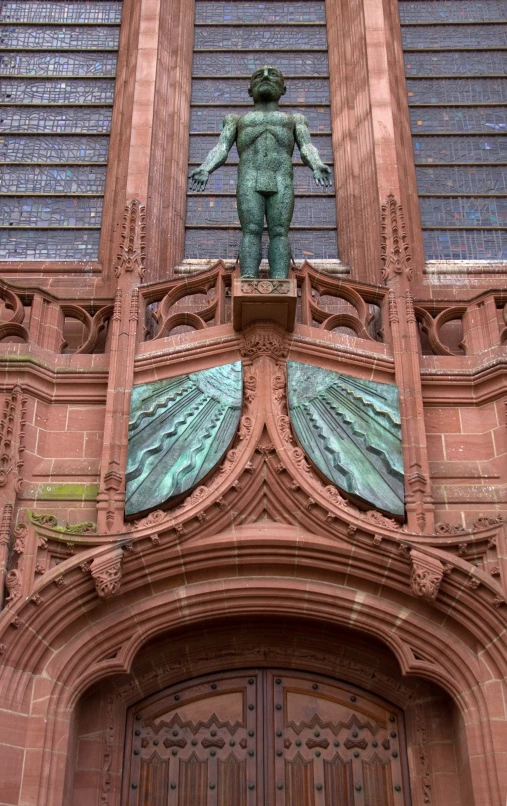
point(265, 140)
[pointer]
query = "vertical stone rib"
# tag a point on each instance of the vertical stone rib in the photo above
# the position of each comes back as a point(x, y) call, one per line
point(353, 146)
point(404, 159)
point(169, 148)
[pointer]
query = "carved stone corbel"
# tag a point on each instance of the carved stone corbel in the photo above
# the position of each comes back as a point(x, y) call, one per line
point(106, 571)
point(427, 574)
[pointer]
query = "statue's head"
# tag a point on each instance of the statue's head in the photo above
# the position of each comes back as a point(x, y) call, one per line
point(267, 84)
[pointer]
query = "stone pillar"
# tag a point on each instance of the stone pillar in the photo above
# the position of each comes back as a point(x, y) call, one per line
point(168, 168)
point(397, 273)
point(129, 271)
point(372, 143)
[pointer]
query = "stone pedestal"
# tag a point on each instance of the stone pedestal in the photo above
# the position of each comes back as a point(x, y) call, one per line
point(264, 299)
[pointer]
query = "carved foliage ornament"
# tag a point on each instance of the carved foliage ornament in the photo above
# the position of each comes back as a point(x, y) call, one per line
point(259, 341)
point(13, 585)
point(131, 257)
point(265, 286)
point(106, 571)
point(12, 437)
point(395, 251)
point(427, 574)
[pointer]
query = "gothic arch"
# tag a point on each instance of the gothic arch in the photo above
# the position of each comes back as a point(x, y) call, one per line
point(240, 573)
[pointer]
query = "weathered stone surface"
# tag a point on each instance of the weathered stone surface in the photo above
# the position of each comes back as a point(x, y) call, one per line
point(351, 430)
point(179, 429)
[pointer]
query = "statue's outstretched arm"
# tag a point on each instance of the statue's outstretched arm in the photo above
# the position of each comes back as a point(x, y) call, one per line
point(309, 153)
point(217, 156)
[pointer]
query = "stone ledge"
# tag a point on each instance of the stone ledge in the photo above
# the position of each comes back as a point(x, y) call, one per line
point(264, 299)
point(191, 267)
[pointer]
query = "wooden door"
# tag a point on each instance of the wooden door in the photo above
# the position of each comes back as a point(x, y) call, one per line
point(265, 738)
point(329, 745)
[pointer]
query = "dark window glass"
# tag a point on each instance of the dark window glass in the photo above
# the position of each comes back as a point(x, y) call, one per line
point(459, 119)
point(459, 91)
point(71, 120)
point(244, 12)
point(57, 69)
point(48, 179)
point(459, 63)
point(455, 36)
point(48, 91)
point(462, 179)
point(217, 243)
point(57, 64)
point(467, 212)
point(53, 149)
point(310, 211)
point(59, 244)
point(460, 149)
point(453, 11)
point(465, 244)
point(50, 211)
point(231, 91)
point(243, 64)
point(267, 37)
point(455, 63)
point(40, 11)
point(58, 37)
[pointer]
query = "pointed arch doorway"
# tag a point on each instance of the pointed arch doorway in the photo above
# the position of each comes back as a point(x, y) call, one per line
point(265, 737)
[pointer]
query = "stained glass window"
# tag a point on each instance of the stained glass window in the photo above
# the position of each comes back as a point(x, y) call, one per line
point(231, 40)
point(57, 69)
point(456, 68)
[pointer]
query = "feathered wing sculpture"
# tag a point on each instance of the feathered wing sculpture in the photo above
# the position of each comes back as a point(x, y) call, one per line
point(351, 430)
point(179, 430)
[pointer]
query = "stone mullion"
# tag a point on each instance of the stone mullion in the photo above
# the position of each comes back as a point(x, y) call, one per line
point(168, 165)
point(353, 146)
point(12, 425)
point(389, 34)
point(111, 498)
point(372, 143)
point(418, 500)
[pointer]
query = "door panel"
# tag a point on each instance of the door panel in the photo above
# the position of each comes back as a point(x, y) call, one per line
point(198, 746)
point(330, 746)
point(265, 738)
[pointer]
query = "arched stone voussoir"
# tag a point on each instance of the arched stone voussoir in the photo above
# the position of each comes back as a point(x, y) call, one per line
point(69, 627)
point(420, 647)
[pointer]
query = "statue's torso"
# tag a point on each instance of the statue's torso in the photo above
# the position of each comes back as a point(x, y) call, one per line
point(266, 140)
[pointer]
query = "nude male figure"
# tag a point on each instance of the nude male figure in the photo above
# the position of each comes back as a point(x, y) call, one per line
point(265, 140)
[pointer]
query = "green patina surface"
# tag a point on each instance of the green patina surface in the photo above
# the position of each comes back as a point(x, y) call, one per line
point(351, 430)
point(265, 138)
point(179, 430)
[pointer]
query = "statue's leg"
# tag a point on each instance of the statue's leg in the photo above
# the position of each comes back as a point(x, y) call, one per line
point(251, 207)
point(279, 210)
